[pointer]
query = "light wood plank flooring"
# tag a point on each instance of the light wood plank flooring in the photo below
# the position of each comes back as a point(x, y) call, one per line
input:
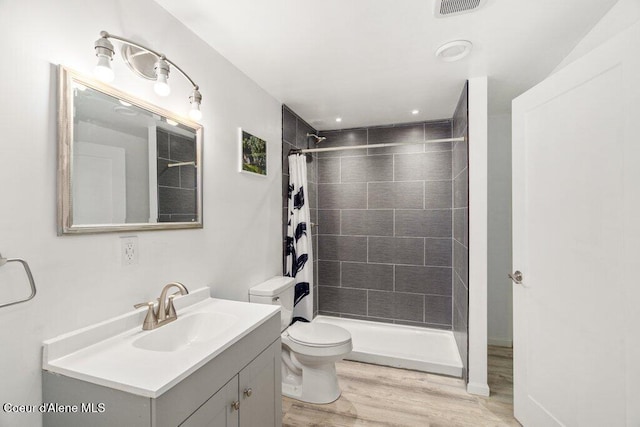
point(381, 396)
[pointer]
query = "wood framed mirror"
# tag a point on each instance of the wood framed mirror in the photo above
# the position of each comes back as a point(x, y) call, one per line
point(124, 164)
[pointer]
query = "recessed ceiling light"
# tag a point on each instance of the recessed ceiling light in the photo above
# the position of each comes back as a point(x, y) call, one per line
point(338, 119)
point(454, 51)
point(126, 104)
point(414, 112)
point(172, 122)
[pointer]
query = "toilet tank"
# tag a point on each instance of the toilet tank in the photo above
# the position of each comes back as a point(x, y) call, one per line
point(277, 290)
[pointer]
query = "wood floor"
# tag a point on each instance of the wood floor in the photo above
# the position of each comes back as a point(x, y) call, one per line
point(381, 396)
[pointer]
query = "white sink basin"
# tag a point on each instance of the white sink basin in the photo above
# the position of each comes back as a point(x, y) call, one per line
point(190, 329)
point(118, 354)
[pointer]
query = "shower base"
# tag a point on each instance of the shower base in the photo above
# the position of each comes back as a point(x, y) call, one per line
point(399, 346)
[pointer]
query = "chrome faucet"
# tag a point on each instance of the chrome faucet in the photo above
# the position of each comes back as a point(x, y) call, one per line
point(166, 311)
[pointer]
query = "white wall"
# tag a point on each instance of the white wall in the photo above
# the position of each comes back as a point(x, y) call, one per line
point(478, 141)
point(80, 279)
point(620, 17)
point(500, 302)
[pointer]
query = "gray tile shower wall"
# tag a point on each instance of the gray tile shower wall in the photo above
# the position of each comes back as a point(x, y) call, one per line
point(294, 135)
point(459, 167)
point(385, 235)
point(176, 186)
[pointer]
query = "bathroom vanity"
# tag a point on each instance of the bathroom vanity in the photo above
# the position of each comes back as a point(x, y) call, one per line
point(218, 364)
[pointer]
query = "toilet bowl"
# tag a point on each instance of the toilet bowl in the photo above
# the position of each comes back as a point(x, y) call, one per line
point(312, 350)
point(309, 350)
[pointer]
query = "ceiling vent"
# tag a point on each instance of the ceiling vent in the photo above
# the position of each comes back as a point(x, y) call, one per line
point(445, 8)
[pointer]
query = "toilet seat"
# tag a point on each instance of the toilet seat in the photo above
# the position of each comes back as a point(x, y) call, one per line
point(317, 341)
point(318, 334)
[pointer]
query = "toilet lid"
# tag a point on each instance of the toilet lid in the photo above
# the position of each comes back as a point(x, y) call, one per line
point(318, 334)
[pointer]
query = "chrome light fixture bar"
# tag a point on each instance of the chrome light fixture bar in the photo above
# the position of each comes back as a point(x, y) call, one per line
point(105, 51)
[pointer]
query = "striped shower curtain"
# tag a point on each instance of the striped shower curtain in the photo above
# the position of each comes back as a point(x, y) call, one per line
point(299, 261)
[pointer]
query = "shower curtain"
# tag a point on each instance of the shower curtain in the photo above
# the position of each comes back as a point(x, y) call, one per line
point(299, 261)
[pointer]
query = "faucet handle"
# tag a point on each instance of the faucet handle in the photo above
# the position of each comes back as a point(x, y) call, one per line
point(171, 309)
point(151, 319)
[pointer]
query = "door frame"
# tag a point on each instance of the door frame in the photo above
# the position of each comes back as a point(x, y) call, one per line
point(478, 206)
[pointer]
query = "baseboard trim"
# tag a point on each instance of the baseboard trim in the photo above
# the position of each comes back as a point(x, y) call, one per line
point(500, 342)
point(478, 389)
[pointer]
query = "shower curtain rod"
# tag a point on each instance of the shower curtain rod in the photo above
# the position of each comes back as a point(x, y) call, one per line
point(385, 144)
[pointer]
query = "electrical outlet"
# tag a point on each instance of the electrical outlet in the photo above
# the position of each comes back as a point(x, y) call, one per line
point(129, 250)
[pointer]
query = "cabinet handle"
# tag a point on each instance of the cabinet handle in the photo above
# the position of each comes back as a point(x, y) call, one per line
point(248, 392)
point(235, 405)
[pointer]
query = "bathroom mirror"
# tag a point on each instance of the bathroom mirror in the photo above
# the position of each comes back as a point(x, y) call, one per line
point(124, 164)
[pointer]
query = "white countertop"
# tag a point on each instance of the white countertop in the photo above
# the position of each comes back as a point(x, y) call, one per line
point(107, 353)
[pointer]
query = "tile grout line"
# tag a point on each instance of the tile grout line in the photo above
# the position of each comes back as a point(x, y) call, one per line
point(390, 291)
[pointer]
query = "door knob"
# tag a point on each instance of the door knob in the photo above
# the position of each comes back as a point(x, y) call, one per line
point(516, 277)
point(235, 405)
point(248, 392)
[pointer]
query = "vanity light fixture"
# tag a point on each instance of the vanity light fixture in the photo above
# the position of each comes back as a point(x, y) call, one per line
point(135, 55)
point(161, 68)
point(195, 99)
point(104, 52)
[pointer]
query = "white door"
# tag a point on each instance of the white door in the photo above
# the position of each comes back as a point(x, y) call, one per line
point(99, 184)
point(576, 231)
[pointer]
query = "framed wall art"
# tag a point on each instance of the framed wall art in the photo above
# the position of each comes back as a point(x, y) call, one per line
point(253, 153)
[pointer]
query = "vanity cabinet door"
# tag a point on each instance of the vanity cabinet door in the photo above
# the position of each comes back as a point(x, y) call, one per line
point(219, 410)
point(260, 390)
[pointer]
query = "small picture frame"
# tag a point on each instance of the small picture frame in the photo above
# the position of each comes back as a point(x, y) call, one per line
point(253, 153)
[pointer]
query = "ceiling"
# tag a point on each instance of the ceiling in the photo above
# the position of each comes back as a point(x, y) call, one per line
point(372, 62)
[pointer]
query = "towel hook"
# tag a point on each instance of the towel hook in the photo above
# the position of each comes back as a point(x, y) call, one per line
point(27, 270)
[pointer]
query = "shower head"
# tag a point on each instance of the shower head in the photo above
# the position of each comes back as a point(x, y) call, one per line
point(319, 139)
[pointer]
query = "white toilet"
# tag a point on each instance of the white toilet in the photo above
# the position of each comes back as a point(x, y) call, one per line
point(309, 350)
